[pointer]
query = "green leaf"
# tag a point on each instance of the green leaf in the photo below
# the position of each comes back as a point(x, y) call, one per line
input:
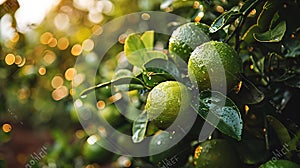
point(162, 65)
point(293, 48)
point(152, 79)
point(221, 112)
point(150, 55)
point(273, 35)
point(267, 13)
point(279, 164)
point(223, 20)
point(274, 19)
point(137, 84)
point(281, 131)
point(148, 39)
point(139, 127)
point(136, 49)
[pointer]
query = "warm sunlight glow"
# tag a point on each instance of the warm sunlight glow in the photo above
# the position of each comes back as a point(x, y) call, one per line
point(10, 59)
point(32, 12)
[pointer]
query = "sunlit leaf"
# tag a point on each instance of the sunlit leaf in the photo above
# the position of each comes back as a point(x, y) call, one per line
point(223, 20)
point(137, 51)
point(139, 127)
point(148, 39)
point(163, 65)
point(273, 35)
point(221, 112)
point(134, 49)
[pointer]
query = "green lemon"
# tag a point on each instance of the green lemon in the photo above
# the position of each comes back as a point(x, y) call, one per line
point(279, 164)
point(165, 101)
point(167, 155)
point(217, 59)
point(186, 38)
point(216, 153)
point(95, 153)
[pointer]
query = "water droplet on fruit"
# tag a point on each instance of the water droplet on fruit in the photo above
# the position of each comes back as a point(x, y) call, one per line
point(158, 142)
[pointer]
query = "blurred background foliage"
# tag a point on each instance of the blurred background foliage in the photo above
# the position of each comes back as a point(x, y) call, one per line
point(39, 45)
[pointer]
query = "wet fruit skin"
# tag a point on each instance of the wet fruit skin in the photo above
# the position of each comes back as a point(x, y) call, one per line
point(186, 38)
point(216, 153)
point(215, 65)
point(173, 156)
point(165, 101)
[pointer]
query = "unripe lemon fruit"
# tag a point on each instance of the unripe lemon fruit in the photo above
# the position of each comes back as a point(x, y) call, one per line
point(186, 38)
point(165, 101)
point(216, 153)
point(215, 64)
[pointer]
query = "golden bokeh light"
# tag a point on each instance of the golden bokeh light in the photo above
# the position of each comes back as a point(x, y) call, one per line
point(52, 42)
point(114, 98)
point(198, 152)
point(97, 30)
point(80, 134)
point(62, 43)
point(60, 93)
point(46, 38)
point(122, 38)
point(72, 92)
point(23, 93)
point(49, 57)
point(70, 74)
point(10, 59)
point(78, 79)
point(219, 9)
point(18, 60)
point(145, 16)
point(57, 81)
point(88, 45)
point(247, 108)
point(15, 38)
point(252, 13)
point(6, 128)
point(42, 70)
point(76, 50)
point(100, 104)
